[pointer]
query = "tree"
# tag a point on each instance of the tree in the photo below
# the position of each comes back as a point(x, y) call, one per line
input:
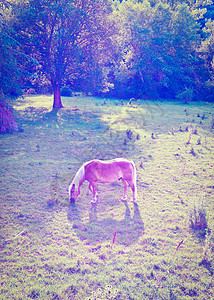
point(160, 43)
point(206, 51)
point(10, 57)
point(12, 72)
point(60, 35)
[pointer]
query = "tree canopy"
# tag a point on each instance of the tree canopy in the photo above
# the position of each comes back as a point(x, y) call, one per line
point(62, 36)
point(160, 54)
point(129, 48)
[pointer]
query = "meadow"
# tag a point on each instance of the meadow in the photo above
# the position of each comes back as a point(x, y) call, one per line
point(161, 247)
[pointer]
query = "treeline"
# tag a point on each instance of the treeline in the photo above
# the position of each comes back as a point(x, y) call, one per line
point(124, 49)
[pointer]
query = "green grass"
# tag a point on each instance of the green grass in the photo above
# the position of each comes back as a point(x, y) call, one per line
point(67, 252)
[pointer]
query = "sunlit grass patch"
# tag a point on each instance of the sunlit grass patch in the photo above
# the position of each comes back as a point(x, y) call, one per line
point(35, 102)
point(125, 117)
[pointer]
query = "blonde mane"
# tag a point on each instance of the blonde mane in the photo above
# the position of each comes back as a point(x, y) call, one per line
point(79, 176)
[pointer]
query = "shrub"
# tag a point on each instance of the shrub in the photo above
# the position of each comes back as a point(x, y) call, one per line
point(198, 219)
point(186, 95)
point(129, 134)
point(31, 91)
point(7, 121)
point(66, 91)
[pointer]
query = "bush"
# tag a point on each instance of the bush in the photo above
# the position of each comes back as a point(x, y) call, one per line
point(198, 219)
point(7, 121)
point(31, 91)
point(66, 91)
point(186, 95)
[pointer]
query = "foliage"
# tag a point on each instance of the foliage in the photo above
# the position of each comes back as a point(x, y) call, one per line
point(147, 48)
point(63, 36)
point(159, 49)
point(12, 73)
point(206, 51)
point(10, 60)
point(185, 95)
point(66, 91)
point(7, 121)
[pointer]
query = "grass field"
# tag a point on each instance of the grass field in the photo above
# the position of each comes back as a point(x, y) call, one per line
point(112, 250)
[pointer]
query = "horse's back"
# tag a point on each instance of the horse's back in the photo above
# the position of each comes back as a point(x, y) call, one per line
point(109, 170)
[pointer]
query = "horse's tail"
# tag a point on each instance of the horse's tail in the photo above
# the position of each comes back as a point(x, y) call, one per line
point(134, 176)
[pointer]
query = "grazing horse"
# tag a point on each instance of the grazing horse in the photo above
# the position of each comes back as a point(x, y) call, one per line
point(106, 171)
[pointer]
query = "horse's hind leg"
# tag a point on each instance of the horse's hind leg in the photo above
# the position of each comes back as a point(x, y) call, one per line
point(89, 188)
point(125, 189)
point(133, 188)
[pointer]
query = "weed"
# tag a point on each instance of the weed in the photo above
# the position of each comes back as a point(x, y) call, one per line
point(34, 294)
point(129, 134)
point(194, 130)
point(180, 129)
point(198, 219)
point(192, 151)
point(188, 142)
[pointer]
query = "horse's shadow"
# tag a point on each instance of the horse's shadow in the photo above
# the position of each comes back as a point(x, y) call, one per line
point(125, 232)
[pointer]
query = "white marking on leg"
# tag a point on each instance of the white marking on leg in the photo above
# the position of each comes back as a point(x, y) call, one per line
point(125, 190)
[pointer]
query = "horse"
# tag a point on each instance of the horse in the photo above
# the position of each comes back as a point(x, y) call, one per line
point(104, 171)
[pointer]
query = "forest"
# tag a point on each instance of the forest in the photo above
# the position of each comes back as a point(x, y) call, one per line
point(125, 49)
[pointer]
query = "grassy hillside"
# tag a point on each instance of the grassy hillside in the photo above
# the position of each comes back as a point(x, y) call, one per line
point(114, 249)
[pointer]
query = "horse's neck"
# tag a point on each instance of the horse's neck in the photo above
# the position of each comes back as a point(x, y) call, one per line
point(80, 177)
point(81, 181)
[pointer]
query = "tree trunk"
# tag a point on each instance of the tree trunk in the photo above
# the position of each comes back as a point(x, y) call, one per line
point(57, 98)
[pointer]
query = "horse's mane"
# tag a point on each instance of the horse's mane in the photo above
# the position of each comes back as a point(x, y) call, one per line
point(79, 176)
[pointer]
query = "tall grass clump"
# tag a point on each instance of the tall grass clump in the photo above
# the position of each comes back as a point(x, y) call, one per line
point(198, 219)
point(208, 251)
point(208, 245)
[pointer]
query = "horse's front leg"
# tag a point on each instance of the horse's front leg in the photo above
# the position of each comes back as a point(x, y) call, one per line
point(95, 194)
point(125, 190)
point(89, 188)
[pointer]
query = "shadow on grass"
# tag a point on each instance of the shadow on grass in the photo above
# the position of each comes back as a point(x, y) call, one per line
point(57, 117)
point(125, 232)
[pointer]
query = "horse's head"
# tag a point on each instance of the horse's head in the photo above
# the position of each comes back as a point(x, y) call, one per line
point(73, 193)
